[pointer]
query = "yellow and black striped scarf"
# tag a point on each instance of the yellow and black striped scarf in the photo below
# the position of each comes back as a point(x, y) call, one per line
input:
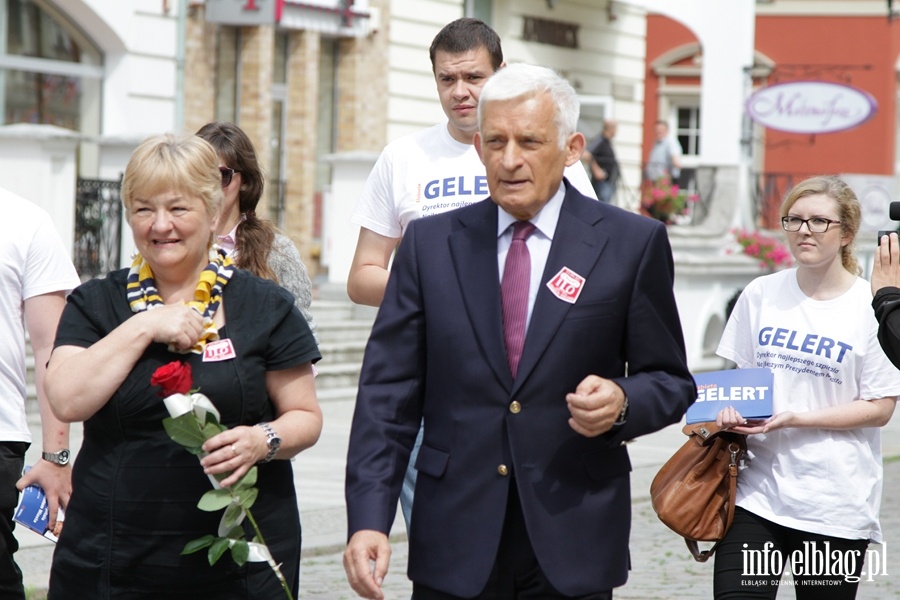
point(143, 295)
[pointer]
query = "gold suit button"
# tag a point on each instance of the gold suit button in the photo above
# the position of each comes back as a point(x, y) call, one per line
point(503, 470)
point(515, 408)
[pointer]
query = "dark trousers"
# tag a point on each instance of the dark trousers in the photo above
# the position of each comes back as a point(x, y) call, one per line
point(742, 558)
point(12, 460)
point(516, 574)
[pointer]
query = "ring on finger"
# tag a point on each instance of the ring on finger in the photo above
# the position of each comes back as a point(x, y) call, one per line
point(234, 450)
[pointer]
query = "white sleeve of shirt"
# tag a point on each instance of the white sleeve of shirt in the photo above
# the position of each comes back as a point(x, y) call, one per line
point(376, 209)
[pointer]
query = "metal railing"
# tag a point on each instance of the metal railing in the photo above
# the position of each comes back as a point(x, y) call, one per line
point(699, 182)
point(767, 192)
point(98, 227)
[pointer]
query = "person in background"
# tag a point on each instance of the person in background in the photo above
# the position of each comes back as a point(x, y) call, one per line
point(602, 163)
point(135, 491)
point(432, 171)
point(35, 276)
point(535, 332)
point(253, 242)
point(815, 473)
point(665, 156)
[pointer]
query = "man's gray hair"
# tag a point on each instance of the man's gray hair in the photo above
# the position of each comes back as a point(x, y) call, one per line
point(523, 81)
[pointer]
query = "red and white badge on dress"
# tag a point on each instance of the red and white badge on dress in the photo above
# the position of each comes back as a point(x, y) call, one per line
point(566, 285)
point(218, 350)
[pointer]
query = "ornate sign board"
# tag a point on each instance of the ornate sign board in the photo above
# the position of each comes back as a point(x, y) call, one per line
point(333, 17)
point(244, 12)
point(811, 107)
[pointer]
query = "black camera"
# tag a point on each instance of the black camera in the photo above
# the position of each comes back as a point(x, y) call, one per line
point(894, 214)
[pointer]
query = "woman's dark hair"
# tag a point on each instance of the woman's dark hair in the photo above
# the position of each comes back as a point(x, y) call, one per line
point(255, 236)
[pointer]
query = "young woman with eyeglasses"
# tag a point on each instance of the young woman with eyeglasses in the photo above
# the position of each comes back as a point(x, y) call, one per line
point(813, 481)
point(254, 243)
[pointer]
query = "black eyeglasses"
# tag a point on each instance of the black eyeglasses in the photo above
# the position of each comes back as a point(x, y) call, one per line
point(815, 224)
point(227, 176)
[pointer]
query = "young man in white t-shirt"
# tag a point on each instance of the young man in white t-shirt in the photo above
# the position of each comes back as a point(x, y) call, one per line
point(35, 276)
point(430, 172)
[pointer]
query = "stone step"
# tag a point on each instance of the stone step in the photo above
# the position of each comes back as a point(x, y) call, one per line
point(339, 375)
point(342, 351)
point(336, 394)
point(343, 331)
point(331, 310)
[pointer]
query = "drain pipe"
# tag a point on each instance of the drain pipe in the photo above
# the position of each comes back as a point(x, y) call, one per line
point(180, 34)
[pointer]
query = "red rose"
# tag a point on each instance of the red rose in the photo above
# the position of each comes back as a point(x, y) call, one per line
point(174, 378)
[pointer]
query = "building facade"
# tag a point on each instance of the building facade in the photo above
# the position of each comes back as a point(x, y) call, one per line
point(310, 82)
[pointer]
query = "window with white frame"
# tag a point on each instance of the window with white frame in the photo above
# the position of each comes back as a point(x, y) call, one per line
point(687, 129)
point(49, 72)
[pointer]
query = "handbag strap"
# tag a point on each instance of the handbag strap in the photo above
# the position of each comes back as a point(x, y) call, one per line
point(693, 545)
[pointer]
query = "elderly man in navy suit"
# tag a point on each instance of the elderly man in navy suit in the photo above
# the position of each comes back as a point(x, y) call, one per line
point(534, 332)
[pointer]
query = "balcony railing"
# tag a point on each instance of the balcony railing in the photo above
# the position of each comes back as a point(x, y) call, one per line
point(767, 192)
point(98, 227)
point(700, 182)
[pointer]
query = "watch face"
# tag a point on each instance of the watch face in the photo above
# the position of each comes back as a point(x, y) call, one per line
point(275, 442)
point(59, 458)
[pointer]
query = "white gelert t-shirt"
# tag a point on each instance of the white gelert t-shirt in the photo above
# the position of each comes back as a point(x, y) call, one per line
point(427, 173)
point(822, 354)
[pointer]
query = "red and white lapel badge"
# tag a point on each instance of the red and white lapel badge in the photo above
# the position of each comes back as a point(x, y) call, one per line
point(218, 350)
point(566, 285)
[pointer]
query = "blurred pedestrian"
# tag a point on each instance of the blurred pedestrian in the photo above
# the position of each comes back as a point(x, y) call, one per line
point(665, 156)
point(602, 163)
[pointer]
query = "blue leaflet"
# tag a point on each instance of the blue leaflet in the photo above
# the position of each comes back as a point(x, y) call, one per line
point(747, 390)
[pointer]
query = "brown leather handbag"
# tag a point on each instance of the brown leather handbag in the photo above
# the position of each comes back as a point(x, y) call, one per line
point(694, 492)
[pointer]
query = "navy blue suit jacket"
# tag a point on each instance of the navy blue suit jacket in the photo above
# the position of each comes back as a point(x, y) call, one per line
point(437, 351)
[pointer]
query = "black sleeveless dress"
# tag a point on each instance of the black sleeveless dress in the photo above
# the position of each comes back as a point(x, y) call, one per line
point(135, 491)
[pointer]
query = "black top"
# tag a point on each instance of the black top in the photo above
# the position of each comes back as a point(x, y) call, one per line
point(135, 491)
point(886, 302)
point(602, 151)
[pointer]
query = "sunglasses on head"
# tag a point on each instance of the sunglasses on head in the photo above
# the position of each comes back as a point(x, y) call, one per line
point(227, 176)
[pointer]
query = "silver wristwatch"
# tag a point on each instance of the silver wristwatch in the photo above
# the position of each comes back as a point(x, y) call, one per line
point(60, 458)
point(272, 441)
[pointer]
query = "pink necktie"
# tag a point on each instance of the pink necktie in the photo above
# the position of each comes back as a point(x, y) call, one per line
point(514, 292)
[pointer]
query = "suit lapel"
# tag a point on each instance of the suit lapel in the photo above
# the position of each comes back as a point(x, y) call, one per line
point(473, 249)
point(577, 245)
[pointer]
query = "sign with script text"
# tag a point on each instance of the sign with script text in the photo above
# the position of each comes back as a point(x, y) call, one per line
point(811, 107)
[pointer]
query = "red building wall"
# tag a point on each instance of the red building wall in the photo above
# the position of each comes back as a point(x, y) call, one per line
point(859, 52)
